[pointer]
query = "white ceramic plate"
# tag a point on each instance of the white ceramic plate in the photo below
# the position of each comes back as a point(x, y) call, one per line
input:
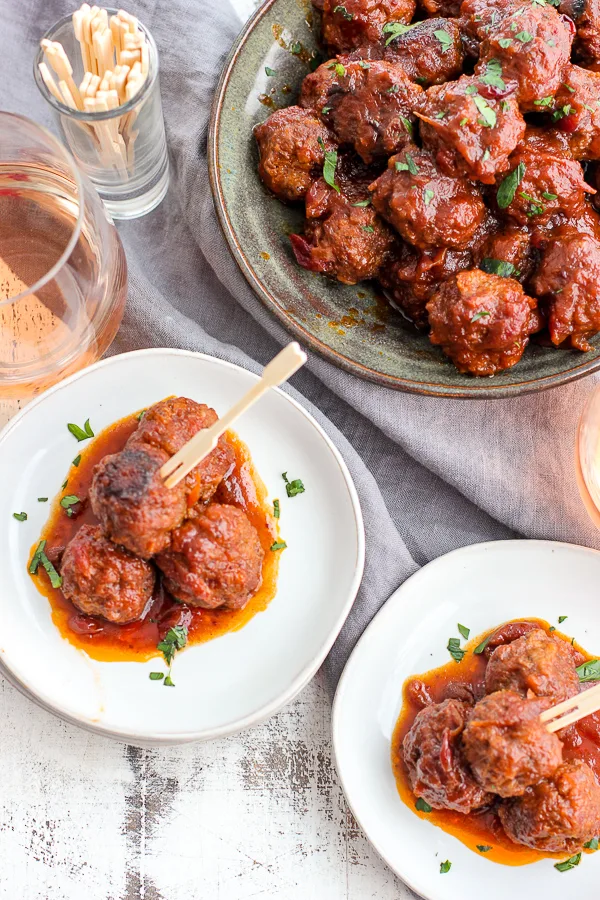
point(481, 587)
point(238, 679)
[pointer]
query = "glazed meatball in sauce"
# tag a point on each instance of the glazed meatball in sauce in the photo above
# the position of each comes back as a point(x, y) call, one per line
point(533, 665)
point(430, 52)
point(358, 24)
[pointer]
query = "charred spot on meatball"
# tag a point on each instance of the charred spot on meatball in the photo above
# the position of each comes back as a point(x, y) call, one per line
point(481, 321)
point(559, 814)
point(428, 208)
point(214, 560)
point(430, 52)
point(437, 769)
point(533, 665)
point(507, 746)
point(357, 24)
point(131, 502)
point(102, 579)
point(292, 145)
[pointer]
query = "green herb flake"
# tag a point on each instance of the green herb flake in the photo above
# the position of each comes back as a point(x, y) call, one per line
point(524, 36)
point(168, 682)
point(486, 156)
point(370, 230)
point(156, 676)
point(569, 88)
point(497, 267)
point(364, 65)
point(38, 559)
point(551, 42)
point(444, 38)
point(440, 115)
point(562, 619)
point(343, 12)
point(592, 845)
point(481, 647)
point(484, 848)
point(463, 122)
point(42, 499)
point(82, 434)
point(278, 545)
point(568, 864)
point(493, 74)
point(330, 165)
point(472, 89)
point(508, 187)
point(276, 509)
point(548, 196)
point(422, 805)
point(428, 196)
point(565, 110)
point(340, 71)
point(589, 671)
point(270, 73)
point(77, 460)
point(362, 203)
point(454, 649)
point(445, 867)
point(482, 314)
point(325, 110)
point(545, 101)
point(407, 125)
point(412, 166)
point(293, 488)
point(505, 105)
point(488, 114)
point(175, 639)
point(69, 500)
point(64, 484)
point(394, 30)
point(505, 42)
point(551, 629)
point(20, 517)
point(464, 631)
point(143, 412)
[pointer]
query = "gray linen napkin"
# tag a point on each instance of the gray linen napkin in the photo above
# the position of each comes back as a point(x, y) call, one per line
point(432, 474)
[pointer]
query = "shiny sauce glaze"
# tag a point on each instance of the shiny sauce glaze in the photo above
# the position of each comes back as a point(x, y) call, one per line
point(106, 641)
point(482, 828)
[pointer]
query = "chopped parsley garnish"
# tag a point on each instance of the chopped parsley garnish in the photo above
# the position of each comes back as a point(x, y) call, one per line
point(444, 38)
point(481, 647)
point(156, 676)
point(464, 631)
point(592, 845)
point(370, 230)
point(565, 110)
point(568, 864)
point(330, 165)
point(505, 42)
point(364, 65)
point(428, 196)
point(484, 848)
point(589, 671)
point(505, 106)
point(422, 805)
point(77, 460)
point(69, 500)
point(338, 68)
point(143, 412)
point(551, 42)
point(440, 115)
point(569, 88)
point(455, 650)
point(20, 517)
point(472, 89)
point(486, 155)
point(409, 166)
point(343, 12)
point(395, 29)
point(293, 488)
point(508, 187)
point(278, 545)
point(64, 484)
point(488, 114)
point(480, 315)
point(363, 203)
point(42, 499)
point(493, 74)
point(524, 37)
point(463, 122)
point(270, 73)
point(407, 124)
point(40, 558)
point(545, 101)
point(393, 89)
point(276, 509)
point(535, 208)
point(562, 619)
point(175, 639)
point(497, 267)
point(82, 434)
point(325, 110)
point(445, 867)
point(552, 628)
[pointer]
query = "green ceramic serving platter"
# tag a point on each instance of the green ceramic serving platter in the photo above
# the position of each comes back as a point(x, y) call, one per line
point(353, 327)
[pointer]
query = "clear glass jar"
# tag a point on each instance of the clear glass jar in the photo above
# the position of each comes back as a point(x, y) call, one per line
point(123, 151)
point(63, 274)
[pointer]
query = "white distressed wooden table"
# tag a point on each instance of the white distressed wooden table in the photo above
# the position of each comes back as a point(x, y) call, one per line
point(260, 814)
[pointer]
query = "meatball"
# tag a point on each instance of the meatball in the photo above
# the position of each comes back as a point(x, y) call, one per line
point(548, 182)
point(532, 46)
point(533, 665)
point(102, 579)
point(567, 280)
point(434, 759)
point(586, 15)
point(214, 559)
point(557, 815)
point(130, 500)
point(343, 239)
point(576, 111)
point(430, 52)
point(478, 17)
point(291, 145)
point(413, 276)
point(359, 24)
point(508, 253)
point(428, 208)
point(169, 425)
point(482, 322)
point(469, 129)
point(507, 746)
point(367, 105)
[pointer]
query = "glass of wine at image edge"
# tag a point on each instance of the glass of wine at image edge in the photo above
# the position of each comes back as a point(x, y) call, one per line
point(63, 274)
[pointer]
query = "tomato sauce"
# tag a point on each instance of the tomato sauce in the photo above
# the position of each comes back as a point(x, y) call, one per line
point(106, 641)
point(483, 828)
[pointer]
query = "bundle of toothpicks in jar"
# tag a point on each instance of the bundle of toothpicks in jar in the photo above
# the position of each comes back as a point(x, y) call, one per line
point(115, 57)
